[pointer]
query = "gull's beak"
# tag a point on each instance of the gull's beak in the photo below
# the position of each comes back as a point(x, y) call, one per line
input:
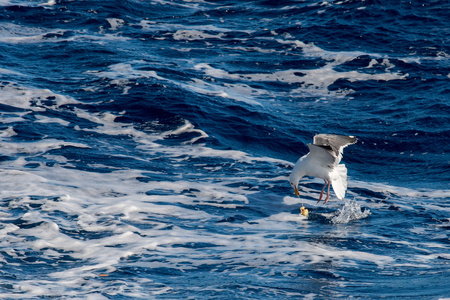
point(296, 191)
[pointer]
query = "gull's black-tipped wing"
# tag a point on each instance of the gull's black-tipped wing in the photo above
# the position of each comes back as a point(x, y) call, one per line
point(334, 143)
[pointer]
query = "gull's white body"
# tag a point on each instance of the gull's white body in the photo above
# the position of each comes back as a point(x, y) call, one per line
point(323, 162)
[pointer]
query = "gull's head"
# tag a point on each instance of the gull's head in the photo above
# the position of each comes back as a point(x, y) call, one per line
point(298, 173)
point(294, 180)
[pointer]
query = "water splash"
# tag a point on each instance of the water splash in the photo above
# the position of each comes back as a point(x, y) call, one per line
point(349, 212)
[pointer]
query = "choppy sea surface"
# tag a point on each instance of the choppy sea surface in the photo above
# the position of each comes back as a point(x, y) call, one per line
point(146, 148)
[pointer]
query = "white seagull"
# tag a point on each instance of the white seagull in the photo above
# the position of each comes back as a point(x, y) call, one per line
point(322, 161)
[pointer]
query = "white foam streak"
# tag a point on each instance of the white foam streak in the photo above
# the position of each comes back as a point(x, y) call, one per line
point(9, 132)
point(37, 147)
point(148, 141)
point(17, 34)
point(401, 192)
point(192, 35)
point(187, 128)
point(236, 155)
point(124, 71)
point(31, 98)
point(238, 92)
point(9, 72)
point(47, 120)
point(115, 23)
point(314, 80)
point(5, 2)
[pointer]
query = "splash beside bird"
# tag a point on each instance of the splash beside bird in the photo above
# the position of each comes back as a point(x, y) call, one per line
point(323, 161)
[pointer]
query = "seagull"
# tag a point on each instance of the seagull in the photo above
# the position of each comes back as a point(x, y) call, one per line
point(322, 161)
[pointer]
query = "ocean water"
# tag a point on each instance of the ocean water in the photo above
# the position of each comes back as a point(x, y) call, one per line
point(146, 148)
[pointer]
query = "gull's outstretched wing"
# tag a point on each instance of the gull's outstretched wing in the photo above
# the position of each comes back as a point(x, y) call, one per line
point(321, 156)
point(334, 144)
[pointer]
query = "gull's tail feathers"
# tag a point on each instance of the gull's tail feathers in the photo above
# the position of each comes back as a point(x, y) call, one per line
point(339, 181)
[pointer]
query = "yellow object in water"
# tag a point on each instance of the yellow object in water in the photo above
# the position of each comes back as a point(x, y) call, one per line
point(304, 211)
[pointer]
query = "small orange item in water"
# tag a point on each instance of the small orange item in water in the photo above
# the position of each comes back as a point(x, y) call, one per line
point(304, 211)
point(103, 275)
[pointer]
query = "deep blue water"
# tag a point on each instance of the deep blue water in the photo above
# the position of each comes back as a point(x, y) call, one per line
point(146, 148)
